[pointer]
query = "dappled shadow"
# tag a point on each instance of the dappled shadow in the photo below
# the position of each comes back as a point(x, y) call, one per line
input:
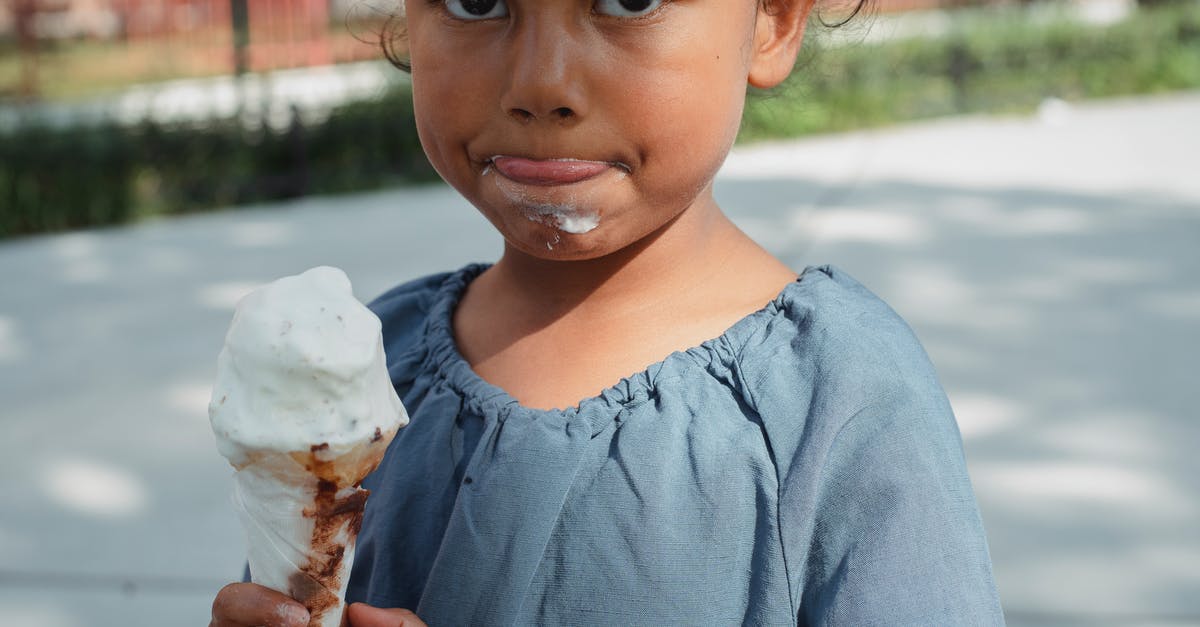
point(108, 345)
point(1061, 313)
point(1063, 325)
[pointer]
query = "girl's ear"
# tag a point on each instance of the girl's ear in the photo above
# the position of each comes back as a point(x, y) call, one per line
point(778, 32)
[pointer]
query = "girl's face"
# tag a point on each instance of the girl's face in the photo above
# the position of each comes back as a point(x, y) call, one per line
point(578, 127)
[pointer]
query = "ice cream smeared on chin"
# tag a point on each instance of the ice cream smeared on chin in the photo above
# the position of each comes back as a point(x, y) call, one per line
point(304, 409)
point(565, 218)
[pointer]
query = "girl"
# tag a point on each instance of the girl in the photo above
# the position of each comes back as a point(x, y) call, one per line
point(782, 452)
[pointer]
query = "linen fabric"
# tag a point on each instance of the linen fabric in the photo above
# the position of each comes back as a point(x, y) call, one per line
point(802, 468)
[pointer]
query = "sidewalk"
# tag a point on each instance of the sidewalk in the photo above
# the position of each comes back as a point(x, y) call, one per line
point(1051, 266)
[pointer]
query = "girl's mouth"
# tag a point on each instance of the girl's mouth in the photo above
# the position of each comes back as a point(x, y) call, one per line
point(549, 172)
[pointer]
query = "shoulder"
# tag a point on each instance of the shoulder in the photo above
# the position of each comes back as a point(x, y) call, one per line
point(408, 313)
point(401, 306)
point(836, 354)
point(832, 335)
point(874, 484)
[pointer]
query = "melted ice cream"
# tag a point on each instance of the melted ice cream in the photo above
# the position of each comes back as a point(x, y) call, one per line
point(571, 215)
point(564, 218)
point(302, 367)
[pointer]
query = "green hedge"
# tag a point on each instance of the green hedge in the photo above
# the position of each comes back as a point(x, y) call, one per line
point(994, 61)
point(53, 180)
point(56, 179)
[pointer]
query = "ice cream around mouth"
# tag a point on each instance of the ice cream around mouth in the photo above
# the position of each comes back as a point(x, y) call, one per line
point(561, 193)
point(303, 409)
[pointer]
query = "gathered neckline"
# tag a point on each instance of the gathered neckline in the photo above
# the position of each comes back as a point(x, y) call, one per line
point(491, 400)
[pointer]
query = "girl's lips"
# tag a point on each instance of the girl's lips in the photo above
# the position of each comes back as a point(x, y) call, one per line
point(549, 171)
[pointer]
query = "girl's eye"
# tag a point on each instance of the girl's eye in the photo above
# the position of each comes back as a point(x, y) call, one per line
point(477, 9)
point(627, 8)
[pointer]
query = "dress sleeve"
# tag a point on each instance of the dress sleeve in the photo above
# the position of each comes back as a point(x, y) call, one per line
point(877, 518)
point(896, 536)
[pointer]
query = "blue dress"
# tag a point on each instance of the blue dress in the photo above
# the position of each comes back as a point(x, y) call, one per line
point(802, 468)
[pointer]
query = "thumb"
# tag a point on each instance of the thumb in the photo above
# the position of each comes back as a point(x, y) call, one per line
point(363, 615)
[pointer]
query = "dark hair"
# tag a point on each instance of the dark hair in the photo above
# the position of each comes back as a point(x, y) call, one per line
point(859, 6)
point(395, 32)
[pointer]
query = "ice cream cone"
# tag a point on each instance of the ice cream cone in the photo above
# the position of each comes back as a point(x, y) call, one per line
point(301, 513)
point(304, 409)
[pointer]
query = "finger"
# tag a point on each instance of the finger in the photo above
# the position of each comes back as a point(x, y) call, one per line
point(363, 615)
point(245, 604)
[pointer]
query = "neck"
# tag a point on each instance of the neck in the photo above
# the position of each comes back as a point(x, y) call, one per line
point(552, 332)
point(671, 258)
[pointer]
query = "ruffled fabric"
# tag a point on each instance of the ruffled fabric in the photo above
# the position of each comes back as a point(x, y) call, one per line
point(437, 354)
point(803, 466)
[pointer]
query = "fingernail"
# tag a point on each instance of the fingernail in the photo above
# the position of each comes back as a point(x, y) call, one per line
point(293, 614)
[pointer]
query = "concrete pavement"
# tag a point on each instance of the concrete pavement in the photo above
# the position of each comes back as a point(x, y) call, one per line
point(1050, 264)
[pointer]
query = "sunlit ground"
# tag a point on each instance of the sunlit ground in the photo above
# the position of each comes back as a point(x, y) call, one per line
point(1050, 265)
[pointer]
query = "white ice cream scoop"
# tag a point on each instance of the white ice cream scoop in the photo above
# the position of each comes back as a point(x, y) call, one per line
point(304, 409)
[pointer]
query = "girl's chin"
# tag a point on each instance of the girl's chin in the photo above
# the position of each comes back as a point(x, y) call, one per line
point(553, 245)
point(555, 231)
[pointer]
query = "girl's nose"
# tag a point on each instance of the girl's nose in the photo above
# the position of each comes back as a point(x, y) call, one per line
point(547, 81)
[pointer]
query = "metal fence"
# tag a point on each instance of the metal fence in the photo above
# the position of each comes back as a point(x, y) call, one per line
point(51, 48)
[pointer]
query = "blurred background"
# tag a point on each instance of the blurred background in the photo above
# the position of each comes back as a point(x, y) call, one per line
point(1018, 179)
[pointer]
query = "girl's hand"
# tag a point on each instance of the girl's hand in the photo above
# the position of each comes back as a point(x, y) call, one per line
point(363, 615)
point(249, 605)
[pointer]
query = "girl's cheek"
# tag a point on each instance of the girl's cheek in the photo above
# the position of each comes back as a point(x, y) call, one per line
point(433, 129)
point(672, 113)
